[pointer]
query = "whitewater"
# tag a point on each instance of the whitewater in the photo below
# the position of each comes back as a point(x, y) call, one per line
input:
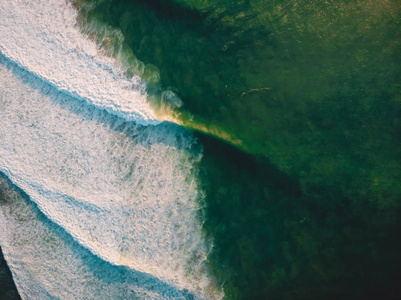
point(114, 210)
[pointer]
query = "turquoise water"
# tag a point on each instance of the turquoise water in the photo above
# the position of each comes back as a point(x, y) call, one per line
point(303, 194)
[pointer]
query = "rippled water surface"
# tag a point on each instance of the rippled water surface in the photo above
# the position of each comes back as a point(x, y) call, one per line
point(189, 149)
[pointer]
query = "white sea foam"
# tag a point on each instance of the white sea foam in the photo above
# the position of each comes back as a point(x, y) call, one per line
point(42, 37)
point(48, 264)
point(126, 192)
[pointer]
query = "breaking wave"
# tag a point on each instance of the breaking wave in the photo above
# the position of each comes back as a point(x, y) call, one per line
point(73, 137)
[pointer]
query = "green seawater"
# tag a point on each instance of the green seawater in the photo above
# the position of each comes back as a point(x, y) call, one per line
point(298, 107)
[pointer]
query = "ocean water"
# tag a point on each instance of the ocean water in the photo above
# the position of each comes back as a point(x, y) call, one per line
point(124, 191)
point(201, 149)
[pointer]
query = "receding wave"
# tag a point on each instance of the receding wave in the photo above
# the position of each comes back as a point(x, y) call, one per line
point(126, 192)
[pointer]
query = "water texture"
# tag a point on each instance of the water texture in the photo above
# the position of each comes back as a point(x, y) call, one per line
point(310, 90)
point(126, 192)
point(284, 185)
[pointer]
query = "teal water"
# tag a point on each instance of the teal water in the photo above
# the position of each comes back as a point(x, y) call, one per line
point(297, 105)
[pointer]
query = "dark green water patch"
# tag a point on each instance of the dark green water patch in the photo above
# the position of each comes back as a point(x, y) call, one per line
point(274, 242)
